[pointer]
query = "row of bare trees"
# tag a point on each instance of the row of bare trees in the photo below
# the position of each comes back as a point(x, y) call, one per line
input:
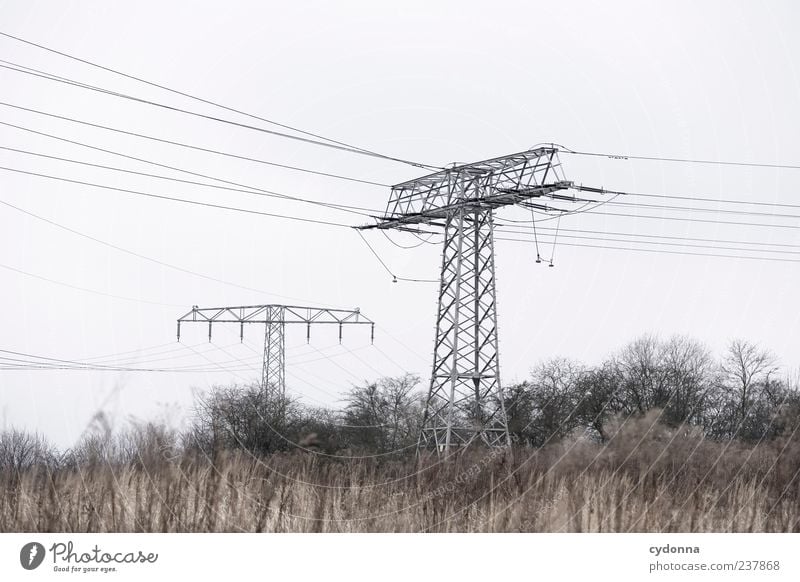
point(741, 396)
point(141, 444)
point(381, 416)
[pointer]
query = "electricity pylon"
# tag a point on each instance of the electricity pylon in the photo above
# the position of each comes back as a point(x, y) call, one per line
point(275, 318)
point(465, 399)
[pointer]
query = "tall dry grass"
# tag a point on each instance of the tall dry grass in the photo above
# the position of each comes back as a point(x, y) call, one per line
point(646, 478)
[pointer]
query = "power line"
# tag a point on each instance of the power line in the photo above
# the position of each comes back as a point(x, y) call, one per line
point(535, 237)
point(695, 209)
point(555, 239)
point(365, 363)
point(672, 244)
point(87, 290)
point(150, 360)
point(376, 255)
point(660, 251)
point(718, 200)
point(403, 369)
point(617, 193)
point(699, 220)
point(139, 255)
point(11, 366)
point(385, 332)
point(38, 361)
point(682, 160)
point(407, 247)
point(563, 212)
point(132, 364)
point(260, 192)
point(156, 349)
point(175, 168)
point(655, 236)
point(175, 199)
point(147, 352)
point(395, 278)
point(330, 142)
point(133, 356)
point(190, 146)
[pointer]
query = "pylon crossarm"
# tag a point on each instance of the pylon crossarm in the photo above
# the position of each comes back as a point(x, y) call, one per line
point(275, 318)
point(485, 185)
point(289, 314)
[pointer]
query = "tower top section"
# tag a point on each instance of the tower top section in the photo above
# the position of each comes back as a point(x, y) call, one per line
point(483, 185)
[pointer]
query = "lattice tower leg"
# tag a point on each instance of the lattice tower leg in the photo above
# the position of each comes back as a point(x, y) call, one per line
point(273, 378)
point(465, 399)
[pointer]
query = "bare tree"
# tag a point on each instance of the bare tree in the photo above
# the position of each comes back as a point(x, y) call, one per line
point(746, 369)
point(644, 381)
point(519, 405)
point(243, 417)
point(384, 415)
point(600, 398)
point(788, 418)
point(686, 367)
point(551, 400)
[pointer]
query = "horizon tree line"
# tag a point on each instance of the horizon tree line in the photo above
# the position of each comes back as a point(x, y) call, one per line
point(743, 395)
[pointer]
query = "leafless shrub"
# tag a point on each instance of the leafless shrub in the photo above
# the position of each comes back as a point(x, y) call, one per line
point(21, 451)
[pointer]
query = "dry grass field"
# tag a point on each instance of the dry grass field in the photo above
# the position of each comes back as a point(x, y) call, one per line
point(647, 478)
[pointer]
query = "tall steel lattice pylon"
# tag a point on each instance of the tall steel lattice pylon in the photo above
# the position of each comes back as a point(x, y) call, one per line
point(273, 370)
point(465, 401)
point(275, 318)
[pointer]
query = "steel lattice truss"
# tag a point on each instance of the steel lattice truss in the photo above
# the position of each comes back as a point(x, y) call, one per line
point(482, 185)
point(465, 399)
point(275, 318)
point(273, 369)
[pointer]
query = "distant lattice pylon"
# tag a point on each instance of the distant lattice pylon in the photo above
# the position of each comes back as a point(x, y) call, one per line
point(275, 318)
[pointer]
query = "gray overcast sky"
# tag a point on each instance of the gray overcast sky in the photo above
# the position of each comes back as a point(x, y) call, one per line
point(431, 81)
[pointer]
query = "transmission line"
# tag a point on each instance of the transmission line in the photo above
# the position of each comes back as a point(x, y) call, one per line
point(695, 209)
point(660, 251)
point(12, 366)
point(718, 200)
point(149, 360)
point(187, 145)
point(395, 278)
point(660, 243)
point(35, 361)
point(682, 160)
point(156, 349)
point(177, 169)
point(260, 192)
point(47, 362)
point(555, 240)
point(535, 237)
point(698, 220)
point(141, 256)
point(87, 290)
point(330, 143)
point(655, 236)
point(133, 356)
point(176, 199)
point(617, 193)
